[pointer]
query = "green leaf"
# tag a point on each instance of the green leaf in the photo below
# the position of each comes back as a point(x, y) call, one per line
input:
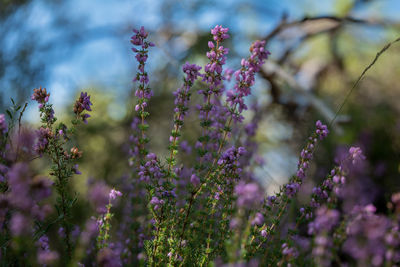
point(9, 114)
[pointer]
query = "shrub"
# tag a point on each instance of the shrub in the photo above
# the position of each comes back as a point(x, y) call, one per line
point(210, 212)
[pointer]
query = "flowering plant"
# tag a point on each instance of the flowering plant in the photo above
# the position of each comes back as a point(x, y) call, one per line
point(209, 212)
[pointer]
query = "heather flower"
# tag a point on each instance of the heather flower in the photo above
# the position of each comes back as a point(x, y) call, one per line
point(366, 235)
point(45, 256)
point(324, 221)
point(76, 170)
point(245, 78)
point(151, 169)
point(18, 179)
point(258, 219)
point(83, 103)
point(229, 160)
point(219, 33)
point(288, 251)
point(307, 153)
point(213, 77)
point(20, 224)
point(98, 196)
point(356, 155)
point(143, 92)
point(44, 136)
point(41, 96)
point(3, 124)
point(248, 195)
point(114, 193)
point(195, 180)
point(322, 130)
point(191, 71)
point(182, 97)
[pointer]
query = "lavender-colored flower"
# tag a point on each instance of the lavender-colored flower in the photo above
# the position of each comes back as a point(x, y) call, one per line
point(248, 195)
point(258, 219)
point(191, 71)
point(3, 124)
point(45, 256)
point(324, 221)
point(264, 233)
point(44, 136)
point(41, 96)
point(219, 33)
point(210, 111)
point(151, 169)
point(356, 155)
point(288, 251)
point(19, 179)
point(182, 97)
point(98, 196)
point(229, 160)
point(139, 38)
point(245, 78)
point(113, 194)
point(83, 103)
point(195, 180)
point(20, 224)
point(305, 157)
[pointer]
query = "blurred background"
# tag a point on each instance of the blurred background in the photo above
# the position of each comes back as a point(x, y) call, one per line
point(319, 48)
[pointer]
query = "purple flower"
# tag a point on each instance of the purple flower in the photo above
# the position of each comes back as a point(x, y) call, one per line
point(324, 221)
point(98, 196)
point(191, 71)
point(151, 169)
point(219, 34)
point(76, 170)
point(356, 155)
point(289, 251)
point(45, 256)
point(44, 136)
point(139, 37)
point(248, 195)
point(322, 130)
point(20, 224)
point(258, 219)
point(229, 160)
point(195, 180)
point(83, 103)
point(113, 194)
point(3, 124)
point(264, 233)
point(41, 96)
point(245, 78)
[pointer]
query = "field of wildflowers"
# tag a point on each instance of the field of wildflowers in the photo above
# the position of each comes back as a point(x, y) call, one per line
point(210, 211)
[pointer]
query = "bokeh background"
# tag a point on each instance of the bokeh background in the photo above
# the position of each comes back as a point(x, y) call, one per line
point(319, 48)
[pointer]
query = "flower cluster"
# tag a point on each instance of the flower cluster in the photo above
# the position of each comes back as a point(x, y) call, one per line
point(104, 222)
point(143, 93)
point(248, 194)
point(229, 161)
point(180, 209)
point(245, 78)
point(45, 255)
point(83, 103)
point(41, 96)
point(182, 97)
